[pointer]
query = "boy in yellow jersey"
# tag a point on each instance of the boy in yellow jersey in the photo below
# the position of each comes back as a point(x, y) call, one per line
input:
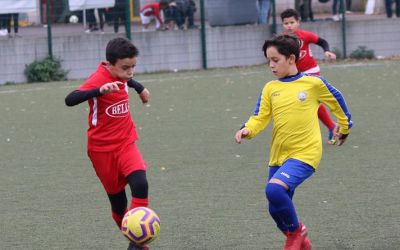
point(292, 103)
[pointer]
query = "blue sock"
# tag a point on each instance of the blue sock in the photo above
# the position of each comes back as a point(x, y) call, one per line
point(281, 207)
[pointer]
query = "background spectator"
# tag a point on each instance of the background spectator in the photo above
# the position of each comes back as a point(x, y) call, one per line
point(305, 9)
point(348, 6)
point(178, 12)
point(3, 25)
point(14, 18)
point(102, 18)
point(119, 14)
point(389, 10)
point(91, 20)
point(263, 11)
point(152, 11)
point(337, 13)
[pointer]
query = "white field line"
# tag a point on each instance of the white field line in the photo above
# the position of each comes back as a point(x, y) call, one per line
point(187, 77)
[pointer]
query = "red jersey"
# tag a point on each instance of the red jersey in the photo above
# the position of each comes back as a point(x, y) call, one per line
point(110, 122)
point(152, 9)
point(306, 60)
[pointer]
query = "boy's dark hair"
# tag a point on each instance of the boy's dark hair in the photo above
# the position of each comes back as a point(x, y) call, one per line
point(290, 13)
point(285, 44)
point(164, 4)
point(120, 48)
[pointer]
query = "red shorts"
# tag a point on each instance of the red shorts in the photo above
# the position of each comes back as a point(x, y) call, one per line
point(112, 168)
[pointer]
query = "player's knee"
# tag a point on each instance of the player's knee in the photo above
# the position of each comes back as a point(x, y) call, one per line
point(274, 192)
point(140, 188)
point(138, 183)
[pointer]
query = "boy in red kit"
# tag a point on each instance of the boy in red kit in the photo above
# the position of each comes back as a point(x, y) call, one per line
point(112, 134)
point(152, 11)
point(307, 63)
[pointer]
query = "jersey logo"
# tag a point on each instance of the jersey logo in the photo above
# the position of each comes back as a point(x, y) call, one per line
point(285, 174)
point(119, 109)
point(302, 96)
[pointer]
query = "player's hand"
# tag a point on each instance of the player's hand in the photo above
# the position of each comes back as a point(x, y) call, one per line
point(342, 138)
point(241, 134)
point(110, 87)
point(145, 96)
point(330, 55)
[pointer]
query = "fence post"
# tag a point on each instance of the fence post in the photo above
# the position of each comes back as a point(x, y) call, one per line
point(343, 12)
point(128, 20)
point(49, 36)
point(203, 35)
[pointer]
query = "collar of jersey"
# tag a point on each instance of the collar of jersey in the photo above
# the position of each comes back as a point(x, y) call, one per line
point(291, 78)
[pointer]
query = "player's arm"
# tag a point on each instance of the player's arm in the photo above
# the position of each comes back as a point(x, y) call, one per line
point(325, 46)
point(258, 121)
point(157, 13)
point(78, 96)
point(140, 89)
point(334, 99)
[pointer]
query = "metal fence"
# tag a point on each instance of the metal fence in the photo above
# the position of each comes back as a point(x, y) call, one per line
point(226, 34)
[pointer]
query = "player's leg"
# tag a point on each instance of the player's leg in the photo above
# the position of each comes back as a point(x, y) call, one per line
point(104, 165)
point(272, 171)
point(133, 168)
point(281, 181)
point(398, 8)
point(139, 186)
point(388, 7)
point(119, 204)
point(323, 115)
point(145, 22)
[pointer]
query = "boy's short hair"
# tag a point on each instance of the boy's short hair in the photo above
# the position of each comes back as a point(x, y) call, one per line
point(164, 4)
point(120, 48)
point(285, 44)
point(290, 13)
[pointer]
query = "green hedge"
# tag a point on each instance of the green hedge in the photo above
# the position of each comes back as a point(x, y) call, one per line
point(46, 70)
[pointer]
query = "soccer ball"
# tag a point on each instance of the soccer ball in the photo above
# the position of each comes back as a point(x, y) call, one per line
point(73, 19)
point(141, 225)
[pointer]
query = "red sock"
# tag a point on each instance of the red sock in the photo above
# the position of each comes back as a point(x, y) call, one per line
point(138, 202)
point(325, 118)
point(118, 218)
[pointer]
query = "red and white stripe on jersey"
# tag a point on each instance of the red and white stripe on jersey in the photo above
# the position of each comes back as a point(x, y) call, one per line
point(316, 71)
point(306, 60)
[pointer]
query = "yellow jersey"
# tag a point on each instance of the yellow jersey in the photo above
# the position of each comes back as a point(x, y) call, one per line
point(292, 104)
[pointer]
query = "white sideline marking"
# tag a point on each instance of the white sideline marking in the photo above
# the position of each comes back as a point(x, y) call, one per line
point(11, 91)
point(353, 65)
point(23, 90)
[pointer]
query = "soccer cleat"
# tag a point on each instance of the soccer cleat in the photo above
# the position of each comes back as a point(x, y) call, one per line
point(133, 246)
point(294, 240)
point(333, 135)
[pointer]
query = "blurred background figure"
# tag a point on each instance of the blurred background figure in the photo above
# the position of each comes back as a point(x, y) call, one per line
point(3, 25)
point(348, 6)
point(91, 20)
point(264, 7)
point(178, 12)
point(152, 11)
point(304, 7)
point(337, 13)
point(119, 14)
point(14, 17)
point(389, 6)
point(102, 18)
